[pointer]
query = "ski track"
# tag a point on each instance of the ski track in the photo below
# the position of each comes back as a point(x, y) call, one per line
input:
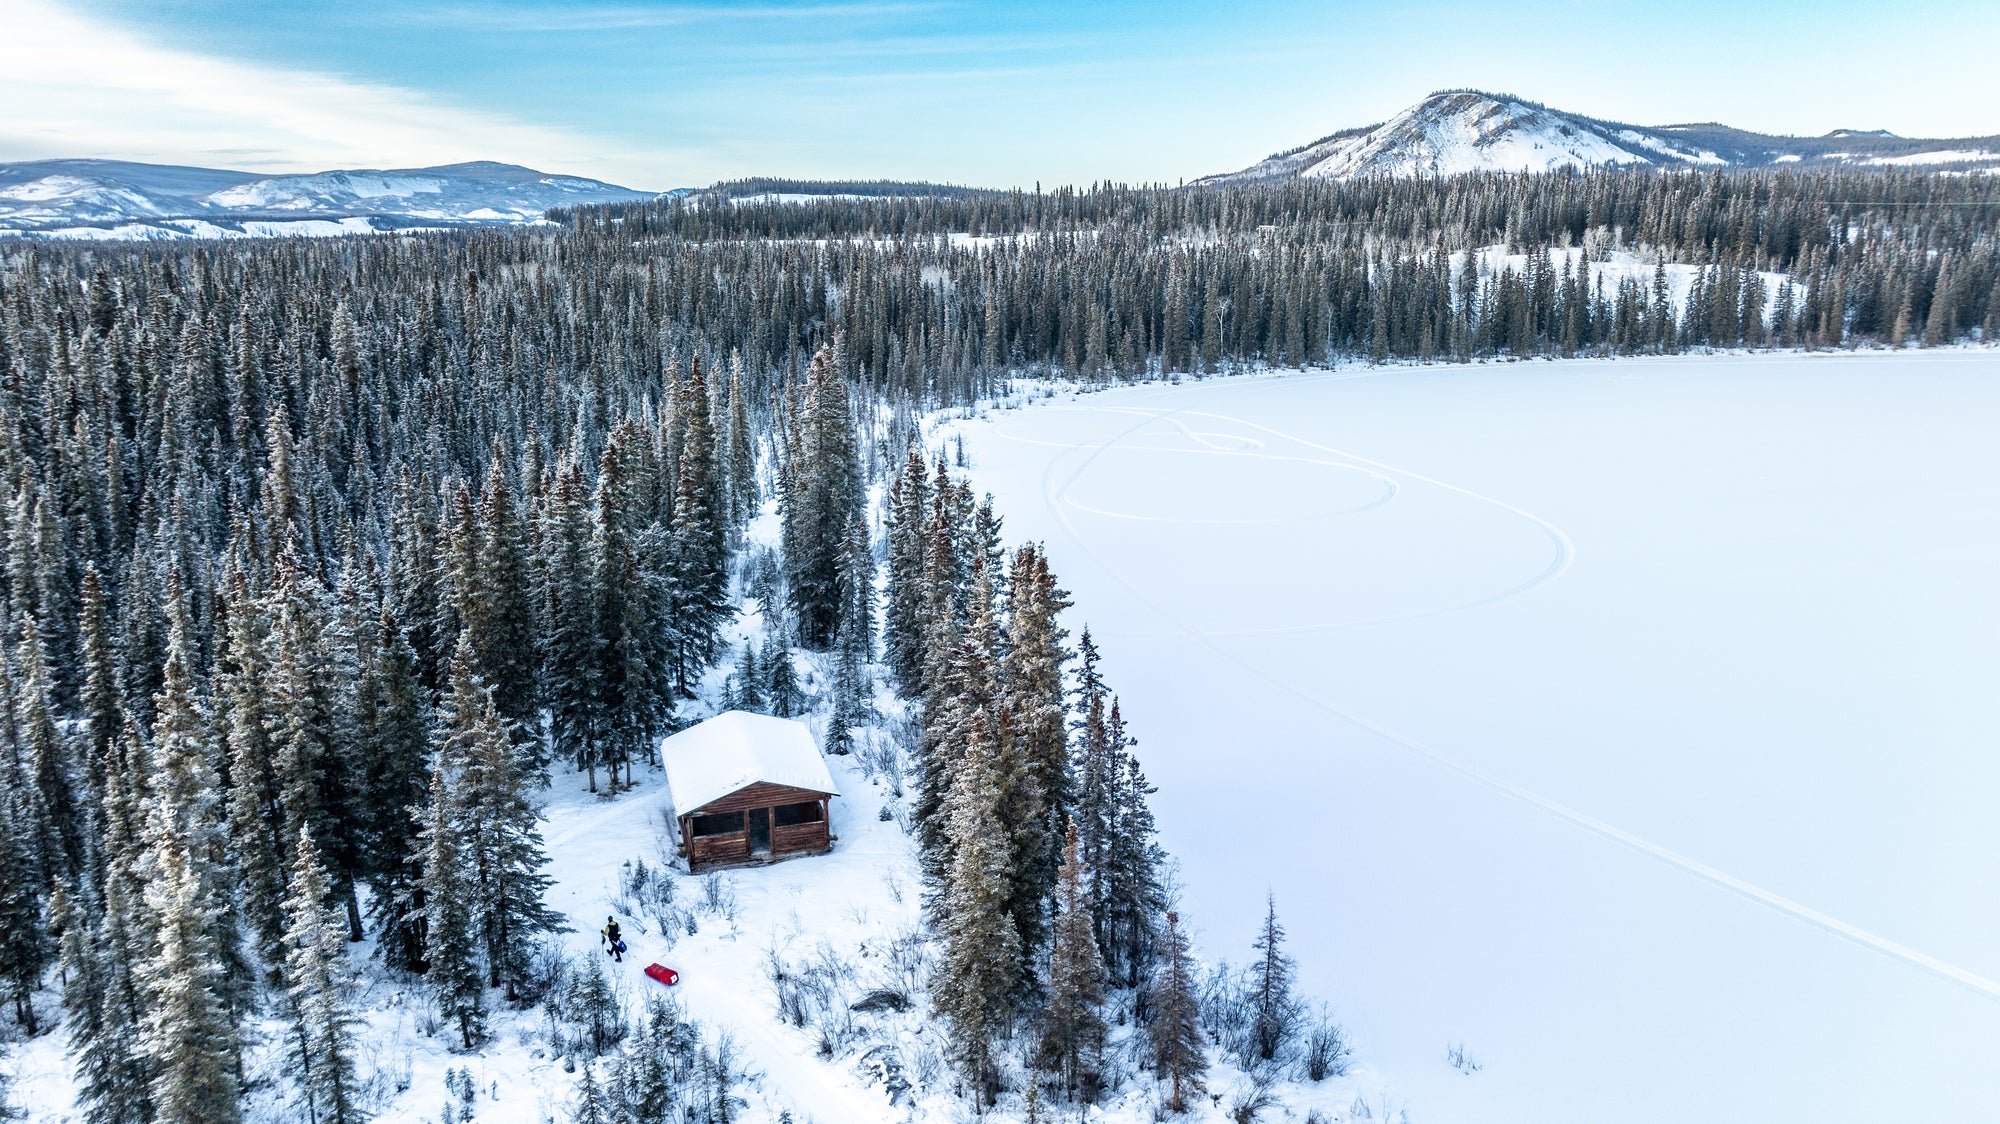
point(1053, 497)
point(1565, 549)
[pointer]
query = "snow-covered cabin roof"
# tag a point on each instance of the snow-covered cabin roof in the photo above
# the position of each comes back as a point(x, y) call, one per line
point(736, 749)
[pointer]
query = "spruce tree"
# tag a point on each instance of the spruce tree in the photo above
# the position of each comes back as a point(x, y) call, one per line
point(495, 825)
point(1131, 880)
point(309, 740)
point(395, 749)
point(698, 555)
point(187, 1034)
point(60, 835)
point(820, 503)
point(451, 944)
point(25, 944)
point(977, 976)
point(1178, 1045)
point(320, 983)
point(592, 1106)
point(1072, 1030)
point(256, 807)
point(1032, 673)
point(504, 627)
point(101, 956)
point(903, 617)
point(1274, 1011)
point(567, 600)
point(749, 680)
point(781, 686)
point(185, 814)
point(742, 451)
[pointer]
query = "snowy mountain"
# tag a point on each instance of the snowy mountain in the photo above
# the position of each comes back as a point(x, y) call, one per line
point(86, 199)
point(1467, 131)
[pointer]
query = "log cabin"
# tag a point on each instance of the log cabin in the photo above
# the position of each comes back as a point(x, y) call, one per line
point(748, 788)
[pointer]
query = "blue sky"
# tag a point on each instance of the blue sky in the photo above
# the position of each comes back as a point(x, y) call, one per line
point(656, 95)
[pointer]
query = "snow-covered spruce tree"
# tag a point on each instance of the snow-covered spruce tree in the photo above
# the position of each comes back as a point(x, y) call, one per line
point(903, 620)
point(185, 814)
point(25, 944)
point(61, 833)
point(590, 1004)
point(965, 687)
point(749, 680)
point(1072, 1030)
point(1031, 671)
point(742, 451)
point(1178, 1046)
point(451, 945)
point(567, 600)
point(849, 704)
point(591, 1105)
point(503, 625)
point(256, 811)
point(1095, 769)
point(976, 981)
point(319, 982)
point(1274, 1010)
point(395, 748)
point(781, 684)
point(100, 697)
point(415, 581)
point(823, 496)
point(495, 827)
point(101, 954)
point(187, 1034)
point(857, 625)
point(633, 652)
point(316, 773)
point(698, 556)
point(1133, 897)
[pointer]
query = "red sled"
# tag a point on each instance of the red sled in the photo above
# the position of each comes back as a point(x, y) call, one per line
point(663, 974)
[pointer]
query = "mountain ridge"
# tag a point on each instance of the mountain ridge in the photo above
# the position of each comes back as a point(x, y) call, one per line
point(1465, 130)
point(128, 200)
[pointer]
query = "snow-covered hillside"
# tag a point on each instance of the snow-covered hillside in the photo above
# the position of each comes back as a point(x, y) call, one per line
point(83, 199)
point(1624, 722)
point(1462, 131)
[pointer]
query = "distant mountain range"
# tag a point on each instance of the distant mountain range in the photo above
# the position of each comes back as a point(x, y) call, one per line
point(122, 200)
point(1447, 133)
point(1469, 131)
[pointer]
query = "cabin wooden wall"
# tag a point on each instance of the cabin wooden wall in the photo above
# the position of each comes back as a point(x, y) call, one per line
point(713, 850)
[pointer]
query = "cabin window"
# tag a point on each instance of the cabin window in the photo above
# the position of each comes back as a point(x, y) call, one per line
point(792, 815)
point(722, 823)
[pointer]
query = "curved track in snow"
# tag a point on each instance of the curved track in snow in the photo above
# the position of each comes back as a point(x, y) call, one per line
point(1053, 497)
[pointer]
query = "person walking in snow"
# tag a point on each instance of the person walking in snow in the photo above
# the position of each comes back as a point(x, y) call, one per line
point(613, 946)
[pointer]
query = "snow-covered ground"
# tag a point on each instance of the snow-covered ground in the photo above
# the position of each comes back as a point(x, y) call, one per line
point(1630, 723)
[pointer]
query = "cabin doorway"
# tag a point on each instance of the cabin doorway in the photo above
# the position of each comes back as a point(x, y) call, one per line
point(760, 831)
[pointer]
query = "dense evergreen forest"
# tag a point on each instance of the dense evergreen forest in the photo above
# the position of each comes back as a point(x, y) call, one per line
point(1117, 282)
point(324, 556)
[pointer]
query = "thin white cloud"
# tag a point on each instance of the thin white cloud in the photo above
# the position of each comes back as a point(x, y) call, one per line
point(74, 86)
point(598, 17)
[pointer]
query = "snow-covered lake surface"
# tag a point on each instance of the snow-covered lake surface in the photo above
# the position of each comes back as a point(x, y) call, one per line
point(1632, 723)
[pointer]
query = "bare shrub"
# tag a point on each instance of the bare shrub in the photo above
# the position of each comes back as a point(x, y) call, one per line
point(1324, 1051)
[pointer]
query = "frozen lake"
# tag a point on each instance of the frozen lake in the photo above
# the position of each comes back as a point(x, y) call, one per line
point(1633, 723)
